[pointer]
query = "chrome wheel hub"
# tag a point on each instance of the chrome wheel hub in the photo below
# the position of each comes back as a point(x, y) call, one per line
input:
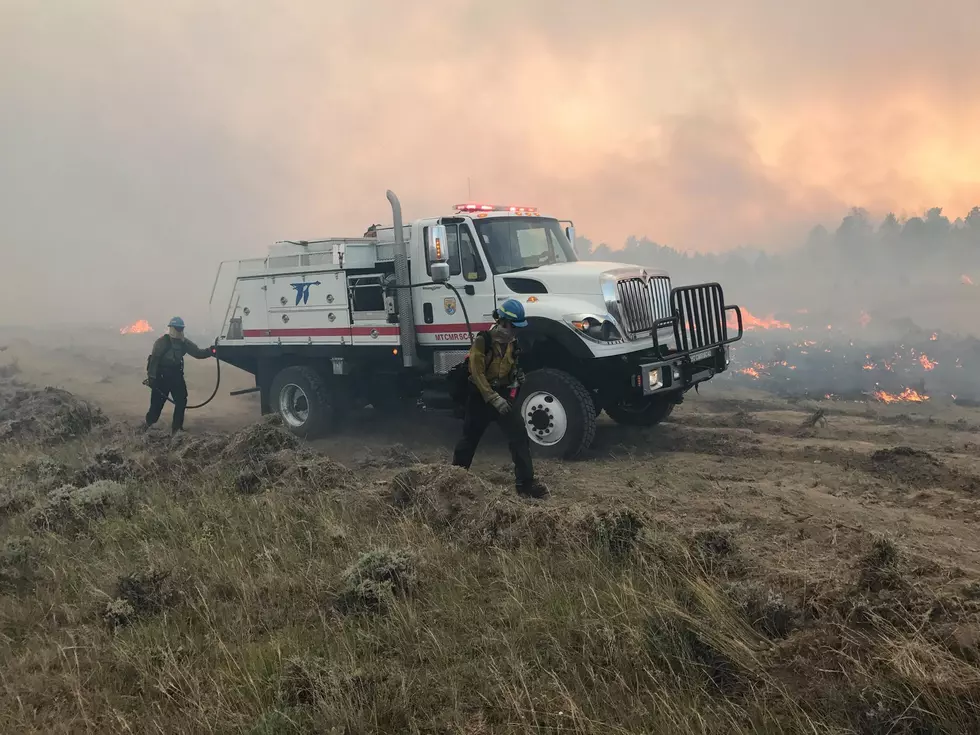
point(545, 418)
point(294, 406)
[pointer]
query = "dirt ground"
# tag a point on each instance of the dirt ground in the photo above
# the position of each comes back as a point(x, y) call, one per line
point(804, 498)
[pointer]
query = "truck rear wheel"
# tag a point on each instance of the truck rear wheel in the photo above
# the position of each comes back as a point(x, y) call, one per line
point(300, 396)
point(648, 411)
point(558, 413)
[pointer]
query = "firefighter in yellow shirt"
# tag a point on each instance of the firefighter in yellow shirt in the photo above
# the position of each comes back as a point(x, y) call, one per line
point(493, 372)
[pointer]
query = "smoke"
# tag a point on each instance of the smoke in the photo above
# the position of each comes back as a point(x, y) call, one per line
point(142, 143)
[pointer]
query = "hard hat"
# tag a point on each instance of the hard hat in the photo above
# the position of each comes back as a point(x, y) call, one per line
point(176, 322)
point(513, 311)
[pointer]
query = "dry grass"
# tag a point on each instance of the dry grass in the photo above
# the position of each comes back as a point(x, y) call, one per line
point(171, 601)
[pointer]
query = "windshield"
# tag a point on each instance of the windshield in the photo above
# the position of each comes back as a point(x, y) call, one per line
point(521, 243)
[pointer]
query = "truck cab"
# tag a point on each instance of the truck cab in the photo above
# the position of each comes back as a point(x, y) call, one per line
point(383, 319)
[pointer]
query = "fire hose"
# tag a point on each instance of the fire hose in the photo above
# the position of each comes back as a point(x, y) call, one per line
point(217, 384)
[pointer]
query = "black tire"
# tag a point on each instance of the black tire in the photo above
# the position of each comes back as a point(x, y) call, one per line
point(647, 412)
point(305, 421)
point(547, 394)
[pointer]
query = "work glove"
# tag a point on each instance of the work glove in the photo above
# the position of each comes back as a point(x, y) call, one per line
point(500, 405)
point(147, 382)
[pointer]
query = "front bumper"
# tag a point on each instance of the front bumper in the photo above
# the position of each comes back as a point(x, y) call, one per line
point(701, 339)
point(680, 372)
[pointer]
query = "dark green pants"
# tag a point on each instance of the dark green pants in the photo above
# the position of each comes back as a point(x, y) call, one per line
point(479, 415)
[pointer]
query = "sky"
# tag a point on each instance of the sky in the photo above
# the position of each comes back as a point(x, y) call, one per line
point(141, 143)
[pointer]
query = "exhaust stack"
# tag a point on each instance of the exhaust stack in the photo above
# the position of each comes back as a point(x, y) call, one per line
point(406, 317)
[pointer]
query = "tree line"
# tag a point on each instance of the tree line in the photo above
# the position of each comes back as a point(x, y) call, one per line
point(930, 246)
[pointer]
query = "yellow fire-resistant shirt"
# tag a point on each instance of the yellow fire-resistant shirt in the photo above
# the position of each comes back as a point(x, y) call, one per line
point(499, 373)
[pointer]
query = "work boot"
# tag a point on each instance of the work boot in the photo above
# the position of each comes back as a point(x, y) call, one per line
point(532, 489)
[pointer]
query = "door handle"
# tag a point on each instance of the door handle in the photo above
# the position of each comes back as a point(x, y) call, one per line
point(469, 289)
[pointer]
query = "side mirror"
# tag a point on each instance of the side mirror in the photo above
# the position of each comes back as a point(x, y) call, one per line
point(570, 234)
point(438, 245)
point(440, 272)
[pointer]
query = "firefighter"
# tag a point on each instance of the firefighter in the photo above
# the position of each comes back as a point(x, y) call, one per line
point(494, 373)
point(165, 373)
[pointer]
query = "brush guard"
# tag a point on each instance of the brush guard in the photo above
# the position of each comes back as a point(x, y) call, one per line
point(701, 337)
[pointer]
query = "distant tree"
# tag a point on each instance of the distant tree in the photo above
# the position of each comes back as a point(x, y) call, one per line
point(890, 227)
point(818, 237)
point(855, 229)
point(937, 226)
point(972, 220)
point(914, 230)
point(602, 252)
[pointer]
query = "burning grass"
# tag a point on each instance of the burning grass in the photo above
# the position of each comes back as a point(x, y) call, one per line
point(911, 369)
point(152, 597)
point(140, 326)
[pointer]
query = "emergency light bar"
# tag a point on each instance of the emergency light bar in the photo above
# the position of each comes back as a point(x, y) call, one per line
point(493, 208)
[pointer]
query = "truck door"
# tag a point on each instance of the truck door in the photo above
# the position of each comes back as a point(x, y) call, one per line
point(441, 321)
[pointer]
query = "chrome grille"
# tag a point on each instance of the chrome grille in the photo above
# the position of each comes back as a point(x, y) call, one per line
point(701, 316)
point(641, 304)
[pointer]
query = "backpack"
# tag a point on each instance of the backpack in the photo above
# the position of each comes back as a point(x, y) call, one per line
point(458, 377)
point(149, 358)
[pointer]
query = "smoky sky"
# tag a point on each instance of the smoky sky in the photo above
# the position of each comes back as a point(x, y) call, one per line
point(142, 143)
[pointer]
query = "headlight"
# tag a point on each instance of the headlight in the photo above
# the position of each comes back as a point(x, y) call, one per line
point(601, 330)
point(655, 380)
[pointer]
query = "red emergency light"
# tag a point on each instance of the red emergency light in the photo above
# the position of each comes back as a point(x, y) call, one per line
point(493, 208)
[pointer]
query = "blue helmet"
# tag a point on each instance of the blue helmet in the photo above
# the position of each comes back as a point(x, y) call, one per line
point(512, 310)
point(176, 322)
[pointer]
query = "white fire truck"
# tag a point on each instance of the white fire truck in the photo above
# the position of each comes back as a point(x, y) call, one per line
point(331, 325)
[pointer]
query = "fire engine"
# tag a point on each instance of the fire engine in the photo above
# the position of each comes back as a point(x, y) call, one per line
point(331, 325)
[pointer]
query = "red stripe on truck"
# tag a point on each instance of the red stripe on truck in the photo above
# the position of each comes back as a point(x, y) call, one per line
point(364, 331)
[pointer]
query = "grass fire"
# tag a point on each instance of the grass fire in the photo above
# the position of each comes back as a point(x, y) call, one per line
point(140, 326)
point(904, 366)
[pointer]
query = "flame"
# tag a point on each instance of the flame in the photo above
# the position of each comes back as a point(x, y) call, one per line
point(869, 366)
point(966, 280)
point(865, 318)
point(750, 321)
point(926, 363)
point(138, 327)
point(758, 369)
point(908, 395)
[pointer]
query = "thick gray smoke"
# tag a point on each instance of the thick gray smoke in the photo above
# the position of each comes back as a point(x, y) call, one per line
point(142, 143)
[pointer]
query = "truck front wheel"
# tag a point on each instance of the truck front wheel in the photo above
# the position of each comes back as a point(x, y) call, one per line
point(648, 411)
point(558, 413)
point(300, 396)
